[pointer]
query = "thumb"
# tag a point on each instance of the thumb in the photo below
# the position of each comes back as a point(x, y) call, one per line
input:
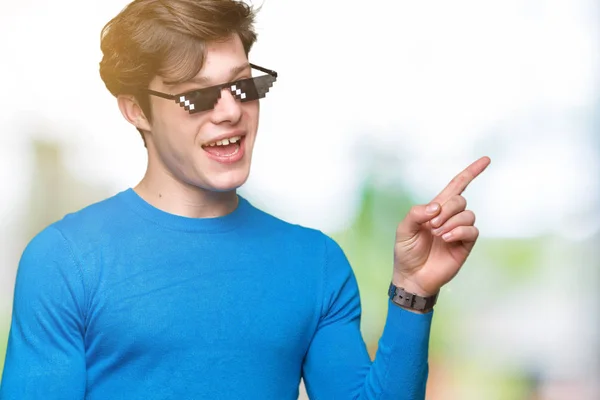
point(416, 217)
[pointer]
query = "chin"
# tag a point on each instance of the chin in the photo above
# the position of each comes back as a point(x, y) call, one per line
point(227, 182)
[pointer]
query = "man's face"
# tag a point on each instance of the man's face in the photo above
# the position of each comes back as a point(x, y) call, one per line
point(182, 145)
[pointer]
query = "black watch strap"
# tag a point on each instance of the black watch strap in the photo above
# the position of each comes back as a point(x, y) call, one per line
point(410, 300)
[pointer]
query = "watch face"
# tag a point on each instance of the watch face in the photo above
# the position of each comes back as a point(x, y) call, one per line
point(391, 290)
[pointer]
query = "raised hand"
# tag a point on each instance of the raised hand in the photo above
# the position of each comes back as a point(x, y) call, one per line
point(434, 240)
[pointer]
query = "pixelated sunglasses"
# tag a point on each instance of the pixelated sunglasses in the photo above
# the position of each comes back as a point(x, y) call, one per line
point(205, 99)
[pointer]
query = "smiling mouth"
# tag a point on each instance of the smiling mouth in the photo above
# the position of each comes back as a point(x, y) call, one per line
point(224, 142)
point(224, 148)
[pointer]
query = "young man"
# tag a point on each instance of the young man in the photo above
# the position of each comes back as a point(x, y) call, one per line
point(179, 288)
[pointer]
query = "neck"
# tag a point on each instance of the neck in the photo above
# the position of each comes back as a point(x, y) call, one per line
point(184, 200)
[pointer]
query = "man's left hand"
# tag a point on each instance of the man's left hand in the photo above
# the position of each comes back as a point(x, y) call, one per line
point(434, 240)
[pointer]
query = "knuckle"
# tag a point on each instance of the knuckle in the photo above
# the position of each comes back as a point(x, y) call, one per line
point(470, 216)
point(455, 205)
point(458, 179)
point(460, 201)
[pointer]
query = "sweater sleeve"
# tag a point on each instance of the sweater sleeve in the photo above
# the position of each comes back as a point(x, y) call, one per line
point(337, 365)
point(45, 358)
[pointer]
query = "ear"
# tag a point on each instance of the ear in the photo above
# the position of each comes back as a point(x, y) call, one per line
point(132, 112)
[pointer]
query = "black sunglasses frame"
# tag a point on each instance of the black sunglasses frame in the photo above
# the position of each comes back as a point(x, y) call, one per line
point(191, 100)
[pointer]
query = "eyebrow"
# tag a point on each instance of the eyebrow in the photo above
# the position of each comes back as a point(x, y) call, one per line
point(206, 81)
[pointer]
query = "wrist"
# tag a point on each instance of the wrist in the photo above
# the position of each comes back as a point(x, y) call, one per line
point(411, 287)
point(411, 301)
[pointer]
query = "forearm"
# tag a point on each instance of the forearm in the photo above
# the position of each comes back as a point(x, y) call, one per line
point(400, 368)
point(337, 364)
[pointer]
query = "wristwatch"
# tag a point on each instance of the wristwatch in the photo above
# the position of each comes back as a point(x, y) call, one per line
point(410, 300)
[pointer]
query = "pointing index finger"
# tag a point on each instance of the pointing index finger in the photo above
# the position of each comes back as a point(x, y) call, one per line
point(460, 182)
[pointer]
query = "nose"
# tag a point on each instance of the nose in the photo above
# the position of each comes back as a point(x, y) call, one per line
point(227, 109)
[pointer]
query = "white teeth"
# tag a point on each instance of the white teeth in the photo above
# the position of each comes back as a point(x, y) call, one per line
point(225, 142)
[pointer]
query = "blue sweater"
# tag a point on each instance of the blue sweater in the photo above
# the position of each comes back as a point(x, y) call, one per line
point(121, 300)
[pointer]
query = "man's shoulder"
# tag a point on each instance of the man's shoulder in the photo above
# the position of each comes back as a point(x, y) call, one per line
point(285, 231)
point(81, 225)
point(100, 214)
